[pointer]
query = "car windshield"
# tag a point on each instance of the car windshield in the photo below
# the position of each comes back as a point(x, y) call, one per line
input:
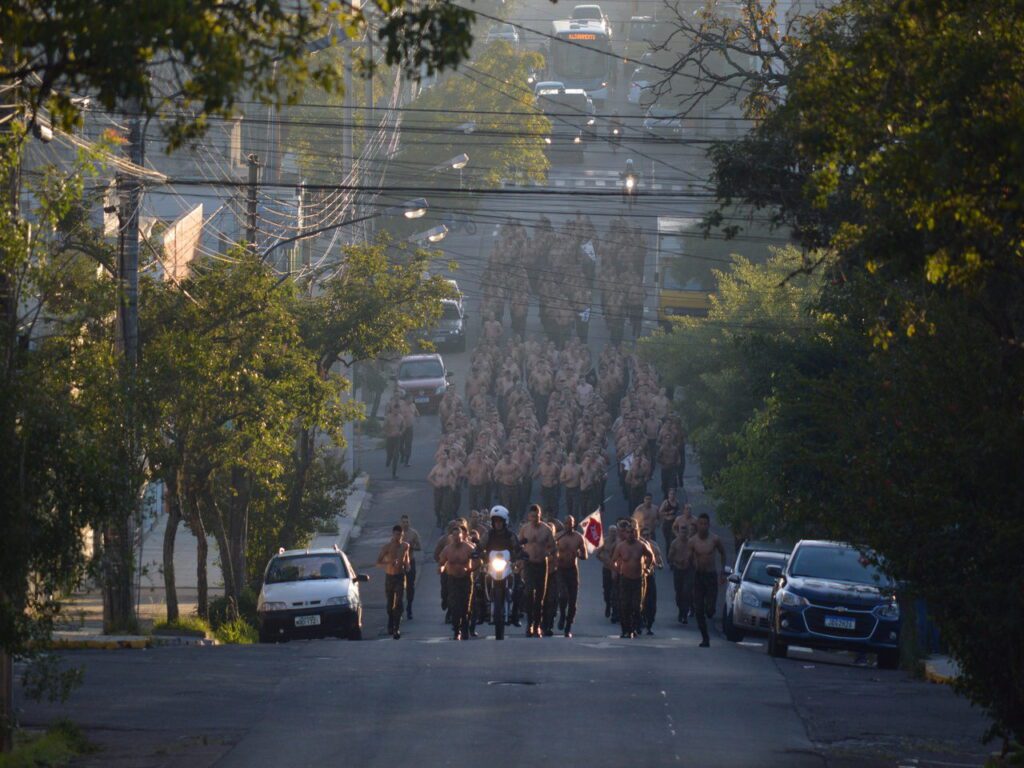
point(586, 12)
point(836, 564)
point(641, 75)
point(642, 30)
point(756, 573)
point(420, 369)
point(661, 112)
point(450, 311)
point(305, 568)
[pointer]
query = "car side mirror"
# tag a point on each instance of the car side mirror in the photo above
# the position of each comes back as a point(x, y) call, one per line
point(775, 571)
point(362, 578)
point(734, 578)
point(728, 570)
point(448, 375)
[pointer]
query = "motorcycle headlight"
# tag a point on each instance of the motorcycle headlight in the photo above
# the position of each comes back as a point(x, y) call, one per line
point(576, 140)
point(590, 121)
point(630, 183)
point(890, 611)
point(272, 606)
point(340, 600)
point(749, 598)
point(498, 565)
point(547, 140)
point(792, 600)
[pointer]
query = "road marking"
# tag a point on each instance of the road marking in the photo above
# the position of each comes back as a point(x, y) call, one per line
point(559, 182)
point(599, 182)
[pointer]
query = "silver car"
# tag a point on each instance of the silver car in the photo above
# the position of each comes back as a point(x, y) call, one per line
point(752, 599)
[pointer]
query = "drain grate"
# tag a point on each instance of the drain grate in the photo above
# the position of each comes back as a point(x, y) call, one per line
point(511, 682)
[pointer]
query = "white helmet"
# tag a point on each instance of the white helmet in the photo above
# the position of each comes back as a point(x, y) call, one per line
point(499, 511)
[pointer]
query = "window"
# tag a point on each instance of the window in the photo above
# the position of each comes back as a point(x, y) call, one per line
point(836, 564)
point(450, 311)
point(306, 568)
point(683, 269)
point(420, 369)
point(572, 61)
point(756, 573)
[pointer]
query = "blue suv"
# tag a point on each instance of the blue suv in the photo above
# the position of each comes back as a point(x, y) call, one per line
point(830, 596)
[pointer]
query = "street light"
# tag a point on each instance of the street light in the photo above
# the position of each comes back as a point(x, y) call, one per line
point(433, 235)
point(411, 209)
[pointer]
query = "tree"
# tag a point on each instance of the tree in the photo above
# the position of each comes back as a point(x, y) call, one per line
point(896, 152)
point(62, 434)
point(198, 59)
point(507, 137)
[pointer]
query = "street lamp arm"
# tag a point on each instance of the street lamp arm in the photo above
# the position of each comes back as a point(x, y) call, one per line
point(315, 232)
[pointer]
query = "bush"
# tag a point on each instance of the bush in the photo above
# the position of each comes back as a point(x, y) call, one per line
point(370, 427)
point(246, 609)
point(185, 623)
point(238, 632)
point(61, 742)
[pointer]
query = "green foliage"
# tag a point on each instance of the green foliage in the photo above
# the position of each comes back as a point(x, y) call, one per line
point(185, 623)
point(220, 614)
point(62, 741)
point(897, 422)
point(236, 632)
point(508, 140)
point(63, 443)
point(199, 58)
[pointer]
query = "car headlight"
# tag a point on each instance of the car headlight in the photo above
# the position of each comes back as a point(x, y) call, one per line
point(792, 600)
point(340, 600)
point(749, 598)
point(440, 389)
point(890, 611)
point(590, 121)
point(271, 606)
point(401, 391)
point(576, 140)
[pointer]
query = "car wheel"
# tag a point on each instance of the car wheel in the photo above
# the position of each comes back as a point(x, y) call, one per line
point(889, 659)
point(732, 634)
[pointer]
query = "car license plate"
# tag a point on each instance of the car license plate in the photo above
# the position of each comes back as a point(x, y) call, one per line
point(840, 622)
point(307, 621)
point(422, 399)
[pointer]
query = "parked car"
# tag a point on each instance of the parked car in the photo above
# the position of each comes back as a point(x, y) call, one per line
point(663, 122)
point(548, 85)
point(641, 85)
point(505, 32)
point(457, 295)
point(310, 593)
point(752, 596)
point(742, 557)
point(424, 378)
point(830, 596)
point(451, 328)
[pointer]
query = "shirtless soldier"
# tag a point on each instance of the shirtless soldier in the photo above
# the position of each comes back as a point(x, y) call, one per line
point(548, 471)
point(538, 543)
point(443, 479)
point(394, 559)
point(629, 560)
point(608, 583)
point(700, 552)
point(682, 579)
point(569, 550)
point(456, 562)
point(415, 545)
point(393, 439)
point(570, 479)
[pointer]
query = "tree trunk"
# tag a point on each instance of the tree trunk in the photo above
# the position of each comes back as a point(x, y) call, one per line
point(194, 520)
point(303, 459)
point(227, 561)
point(170, 533)
point(118, 559)
point(238, 528)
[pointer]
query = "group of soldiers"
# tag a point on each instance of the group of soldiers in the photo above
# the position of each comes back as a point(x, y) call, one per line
point(561, 267)
point(535, 414)
point(399, 420)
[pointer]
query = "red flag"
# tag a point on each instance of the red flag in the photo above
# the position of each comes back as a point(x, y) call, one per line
point(593, 531)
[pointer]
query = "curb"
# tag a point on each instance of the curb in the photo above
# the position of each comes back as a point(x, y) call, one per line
point(98, 642)
point(940, 672)
point(348, 524)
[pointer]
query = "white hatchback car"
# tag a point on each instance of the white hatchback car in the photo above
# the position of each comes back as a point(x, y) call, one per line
point(752, 600)
point(310, 593)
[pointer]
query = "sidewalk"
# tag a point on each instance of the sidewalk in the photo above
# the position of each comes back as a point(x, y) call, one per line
point(84, 610)
point(941, 669)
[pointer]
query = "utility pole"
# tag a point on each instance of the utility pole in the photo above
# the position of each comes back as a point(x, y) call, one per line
point(251, 200)
point(348, 131)
point(371, 116)
point(118, 540)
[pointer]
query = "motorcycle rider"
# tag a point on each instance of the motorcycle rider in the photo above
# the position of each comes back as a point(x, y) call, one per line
point(630, 180)
point(499, 537)
point(615, 131)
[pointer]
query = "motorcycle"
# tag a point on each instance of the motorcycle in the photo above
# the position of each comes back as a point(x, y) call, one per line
point(629, 188)
point(615, 138)
point(498, 583)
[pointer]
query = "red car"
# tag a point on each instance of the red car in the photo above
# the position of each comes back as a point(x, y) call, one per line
point(424, 379)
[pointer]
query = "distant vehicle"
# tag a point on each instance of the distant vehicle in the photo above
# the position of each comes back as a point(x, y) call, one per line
point(663, 122)
point(457, 296)
point(641, 87)
point(502, 31)
point(641, 35)
point(572, 117)
point(830, 596)
point(580, 56)
point(592, 12)
point(752, 597)
point(736, 569)
point(423, 377)
point(451, 328)
point(310, 593)
point(547, 85)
